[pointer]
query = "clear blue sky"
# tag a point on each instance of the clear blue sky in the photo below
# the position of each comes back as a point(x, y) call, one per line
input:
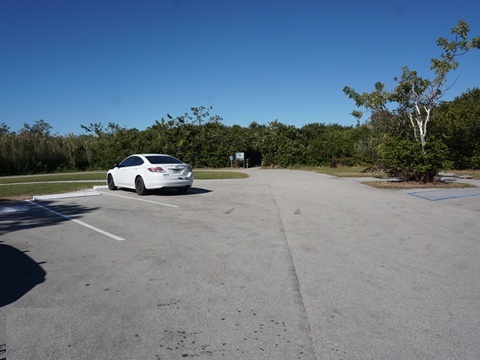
point(72, 62)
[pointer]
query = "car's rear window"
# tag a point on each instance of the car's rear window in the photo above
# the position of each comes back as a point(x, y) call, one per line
point(162, 159)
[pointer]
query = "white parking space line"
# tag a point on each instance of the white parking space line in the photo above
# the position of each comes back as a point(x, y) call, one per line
point(115, 237)
point(149, 201)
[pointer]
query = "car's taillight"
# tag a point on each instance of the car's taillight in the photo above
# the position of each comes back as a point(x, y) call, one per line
point(156, 169)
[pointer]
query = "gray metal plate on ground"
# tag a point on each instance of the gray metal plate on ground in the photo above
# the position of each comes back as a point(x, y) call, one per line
point(445, 194)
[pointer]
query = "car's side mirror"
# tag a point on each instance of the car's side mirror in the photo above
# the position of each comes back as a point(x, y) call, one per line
point(116, 165)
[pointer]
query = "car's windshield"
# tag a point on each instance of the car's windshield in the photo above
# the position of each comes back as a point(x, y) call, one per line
point(162, 159)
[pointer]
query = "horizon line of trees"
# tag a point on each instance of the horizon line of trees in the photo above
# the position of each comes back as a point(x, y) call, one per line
point(200, 139)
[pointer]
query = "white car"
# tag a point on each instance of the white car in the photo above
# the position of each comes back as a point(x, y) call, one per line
point(144, 172)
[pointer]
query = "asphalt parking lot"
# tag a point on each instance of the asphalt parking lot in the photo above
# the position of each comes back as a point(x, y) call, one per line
point(281, 265)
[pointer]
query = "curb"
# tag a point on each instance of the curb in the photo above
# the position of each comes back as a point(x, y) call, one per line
point(67, 195)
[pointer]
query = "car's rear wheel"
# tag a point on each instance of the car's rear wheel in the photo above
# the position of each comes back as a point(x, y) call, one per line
point(111, 183)
point(140, 186)
point(183, 189)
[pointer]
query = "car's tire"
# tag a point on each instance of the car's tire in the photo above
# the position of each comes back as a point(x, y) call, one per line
point(183, 189)
point(140, 186)
point(111, 183)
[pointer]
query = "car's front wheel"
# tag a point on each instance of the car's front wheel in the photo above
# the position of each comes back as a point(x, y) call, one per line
point(140, 186)
point(111, 183)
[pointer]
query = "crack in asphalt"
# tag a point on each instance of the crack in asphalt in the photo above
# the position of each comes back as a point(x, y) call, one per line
point(295, 279)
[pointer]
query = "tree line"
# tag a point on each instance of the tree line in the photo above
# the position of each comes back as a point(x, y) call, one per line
point(202, 140)
point(384, 141)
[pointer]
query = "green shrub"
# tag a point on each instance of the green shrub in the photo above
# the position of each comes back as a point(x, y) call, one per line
point(475, 162)
point(406, 159)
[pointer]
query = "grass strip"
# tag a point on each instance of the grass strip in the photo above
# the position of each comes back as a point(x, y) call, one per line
point(27, 191)
point(101, 176)
point(362, 171)
point(215, 175)
point(54, 177)
point(16, 188)
point(340, 171)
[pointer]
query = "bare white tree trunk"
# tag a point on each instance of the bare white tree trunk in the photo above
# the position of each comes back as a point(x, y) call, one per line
point(419, 123)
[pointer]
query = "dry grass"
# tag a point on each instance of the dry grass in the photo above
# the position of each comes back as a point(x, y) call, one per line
point(218, 174)
point(383, 184)
point(475, 174)
point(340, 171)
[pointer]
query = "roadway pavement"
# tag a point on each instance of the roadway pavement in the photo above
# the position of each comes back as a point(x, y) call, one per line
point(281, 265)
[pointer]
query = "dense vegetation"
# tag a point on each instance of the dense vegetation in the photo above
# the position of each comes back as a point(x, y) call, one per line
point(416, 99)
point(201, 139)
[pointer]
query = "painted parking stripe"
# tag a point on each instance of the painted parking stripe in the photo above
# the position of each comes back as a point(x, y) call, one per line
point(148, 201)
point(115, 237)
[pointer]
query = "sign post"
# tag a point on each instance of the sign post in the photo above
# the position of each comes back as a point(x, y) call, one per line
point(240, 156)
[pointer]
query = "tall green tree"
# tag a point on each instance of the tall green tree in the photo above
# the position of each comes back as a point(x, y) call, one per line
point(4, 129)
point(414, 99)
point(415, 96)
point(457, 124)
